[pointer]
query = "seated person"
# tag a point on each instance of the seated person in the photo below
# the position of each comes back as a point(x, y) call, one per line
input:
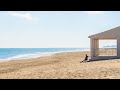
point(86, 57)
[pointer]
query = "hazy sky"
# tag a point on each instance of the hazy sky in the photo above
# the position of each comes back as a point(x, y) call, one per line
point(53, 28)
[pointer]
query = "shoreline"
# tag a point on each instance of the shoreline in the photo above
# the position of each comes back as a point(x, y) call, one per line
point(53, 66)
point(60, 66)
point(37, 55)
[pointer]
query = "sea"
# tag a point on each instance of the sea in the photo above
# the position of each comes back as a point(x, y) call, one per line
point(25, 53)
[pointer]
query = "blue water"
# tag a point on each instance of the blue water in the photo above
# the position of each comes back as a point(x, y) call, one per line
point(17, 53)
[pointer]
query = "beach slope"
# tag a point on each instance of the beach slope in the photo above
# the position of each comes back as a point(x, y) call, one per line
point(60, 66)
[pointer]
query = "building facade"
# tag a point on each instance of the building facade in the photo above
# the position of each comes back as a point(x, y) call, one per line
point(112, 34)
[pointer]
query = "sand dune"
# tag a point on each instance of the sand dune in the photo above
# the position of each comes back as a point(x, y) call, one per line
point(60, 66)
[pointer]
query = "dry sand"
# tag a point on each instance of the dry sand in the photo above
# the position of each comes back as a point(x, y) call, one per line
point(60, 66)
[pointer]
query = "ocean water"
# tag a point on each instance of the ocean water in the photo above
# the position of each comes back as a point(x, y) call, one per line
point(24, 53)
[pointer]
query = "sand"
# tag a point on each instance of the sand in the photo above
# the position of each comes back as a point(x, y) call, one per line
point(60, 66)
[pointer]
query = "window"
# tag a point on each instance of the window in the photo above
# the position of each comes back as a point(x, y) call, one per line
point(108, 47)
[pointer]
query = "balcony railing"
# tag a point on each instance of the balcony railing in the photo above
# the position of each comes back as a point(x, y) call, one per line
point(106, 52)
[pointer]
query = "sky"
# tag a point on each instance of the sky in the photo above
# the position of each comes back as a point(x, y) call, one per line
point(48, 29)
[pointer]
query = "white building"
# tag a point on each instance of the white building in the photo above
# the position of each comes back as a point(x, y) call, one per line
point(113, 34)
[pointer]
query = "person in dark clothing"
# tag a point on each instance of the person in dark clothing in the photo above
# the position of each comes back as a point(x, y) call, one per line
point(86, 57)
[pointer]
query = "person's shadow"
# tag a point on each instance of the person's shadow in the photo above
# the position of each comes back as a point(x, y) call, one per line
point(84, 61)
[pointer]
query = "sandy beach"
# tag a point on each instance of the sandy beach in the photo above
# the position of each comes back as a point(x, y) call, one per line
point(60, 66)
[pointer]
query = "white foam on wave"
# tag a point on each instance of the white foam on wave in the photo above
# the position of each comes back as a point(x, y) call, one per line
point(27, 56)
point(39, 54)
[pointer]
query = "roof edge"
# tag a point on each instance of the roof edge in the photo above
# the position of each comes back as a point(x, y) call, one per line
point(103, 32)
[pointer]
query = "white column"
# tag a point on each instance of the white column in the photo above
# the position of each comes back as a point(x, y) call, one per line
point(118, 47)
point(92, 41)
point(94, 47)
